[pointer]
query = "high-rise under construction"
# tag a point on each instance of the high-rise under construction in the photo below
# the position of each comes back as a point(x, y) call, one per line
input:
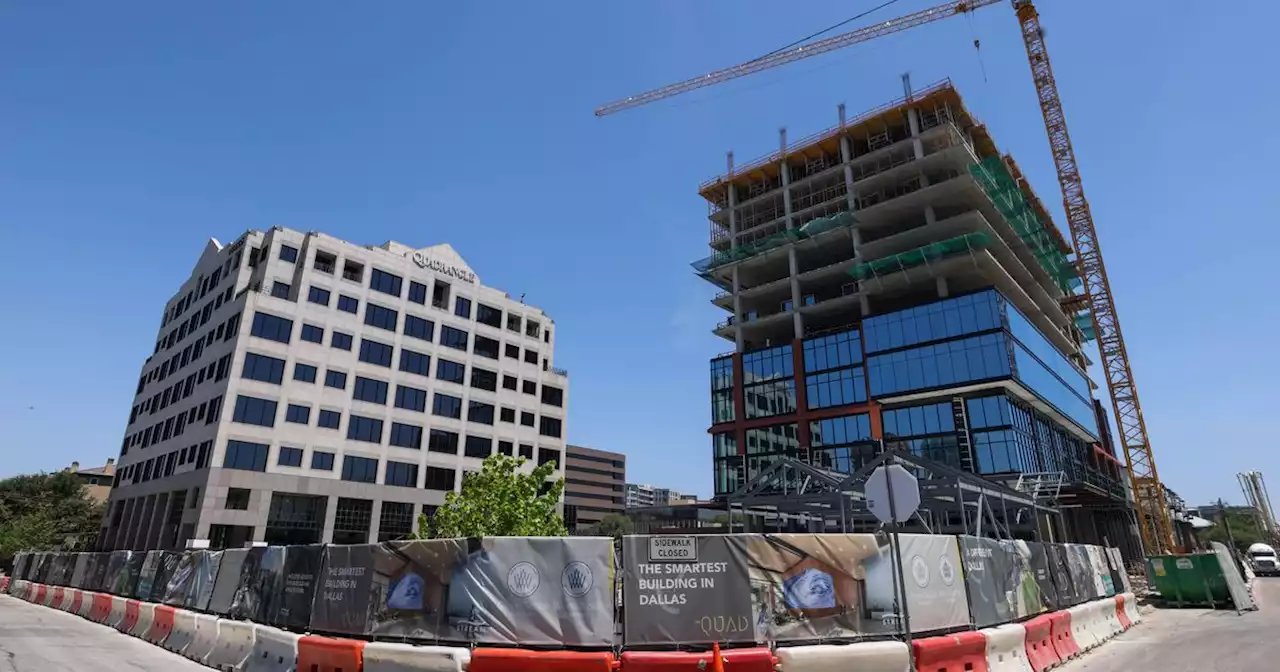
point(895, 281)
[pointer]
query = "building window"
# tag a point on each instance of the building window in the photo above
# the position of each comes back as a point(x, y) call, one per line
point(238, 499)
point(546, 455)
point(325, 262)
point(509, 382)
point(348, 304)
point(280, 290)
point(340, 341)
point(550, 427)
point(396, 520)
point(312, 334)
point(336, 379)
point(833, 352)
point(935, 321)
point(836, 388)
point(401, 474)
point(513, 322)
point(289, 457)
point(352, 517)
point(526, 451)
point(297, 414)
point(441, 441)
point(966, 360)
point(486, 347)
point(246, 456)
point(304, 372)
point(529, 387)
point(512, 351)
point(462, 307)
point(552, 396)
point(506, 448)
point(374, 352)
point(329, 419)
point(842, 444)
point(321, 460)
point(453, 338)
point(271, 327)
point(722, 409)
point(360, 428)
point(770, 364)
point(415, 362)
point(387, 283)
point(262, 368)
point(489, 315)
point(446, 406)
point(418, 293)
point(406, 436)
point(318, 295)
point(478, 411)
point(918, 420)
point(411, 398)
point(532, 329)
point(381, 317)
point(419, 328)
point(255, 411)
point(440, 479)
point(288, 253)
point(526, 418)
point(451, 372)
point(478, 446)
point(484, 380)
point(507, 415)
point(370, 390)
point(359, 469)
point(440, 295)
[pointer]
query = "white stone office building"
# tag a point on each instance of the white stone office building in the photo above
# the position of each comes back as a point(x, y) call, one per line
point(305, 389)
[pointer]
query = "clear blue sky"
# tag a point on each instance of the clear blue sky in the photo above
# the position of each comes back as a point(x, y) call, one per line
point(131, 132)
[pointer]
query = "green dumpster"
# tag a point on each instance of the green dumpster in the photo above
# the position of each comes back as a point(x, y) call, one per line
point(1189, 580)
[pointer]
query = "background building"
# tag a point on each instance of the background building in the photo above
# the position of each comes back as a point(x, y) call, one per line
point(641, 495)
point(594, 483)
point(896, 279)
point(305, 389)
point(97, 480)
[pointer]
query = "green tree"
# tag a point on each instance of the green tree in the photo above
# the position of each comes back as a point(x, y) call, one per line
point(44, 511)
point(613, 525)
point(1244, 529)
point(499, 501)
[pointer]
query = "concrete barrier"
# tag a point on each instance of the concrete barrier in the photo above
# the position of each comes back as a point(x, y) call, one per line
point(233, 646)
point(1007, 648)
point(1131, 608)
point(406, 658)
point(865, 657)
point(146, 614)
point(273, 651)
point(183, 633)
point(206, 638)
point(116, 615)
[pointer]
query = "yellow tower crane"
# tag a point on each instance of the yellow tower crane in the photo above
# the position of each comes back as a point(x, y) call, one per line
point(1153, 512)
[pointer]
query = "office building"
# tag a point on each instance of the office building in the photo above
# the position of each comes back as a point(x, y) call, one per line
point(643, 494)
point(594, 483)
point(306, 389)
point(896, 279)
point(96, 480)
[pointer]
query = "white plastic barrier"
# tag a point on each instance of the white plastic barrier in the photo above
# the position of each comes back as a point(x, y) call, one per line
point(234, 645)
point(1131, 608)
point(146, 614)
point(1108, 612)
point(206, 638)
point(49, 592)
point(1082, 626)
point(18, 589)
point(117, 612)
point(1098, 623)
point(1007, 648)
point(86, 604)
point(865, 657)
point(183, 633)
point(69, 599)
point(273, 651)
point(408, 658)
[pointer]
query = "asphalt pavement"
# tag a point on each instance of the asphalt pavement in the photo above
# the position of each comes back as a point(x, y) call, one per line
point(40, 639)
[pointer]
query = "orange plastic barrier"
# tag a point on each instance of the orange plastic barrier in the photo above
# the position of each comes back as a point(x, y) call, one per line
point(60, 594)
point(132, 609)
point(1040, 651)
point(162, 625)
point(524, 660)
point(41, 591)
point(101, 608)
point(330, 654)
point(735, 660)
point(1120, 614)
point(77, 600)
point(1063, 641)
point(4, 583)
point(962, 651)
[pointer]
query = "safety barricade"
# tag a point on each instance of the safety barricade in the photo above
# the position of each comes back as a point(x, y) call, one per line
point(1038, 643)
point(101, 608)
point(4, 584)
point(274, 650)
point(48, 596)
point(116, 614)
point(161, 624)
point(146, 615)
point(18, 589)
point(1064, 641)
point(1108, 612)
point(41, 592)
point(1131, 608)
point(329, 654)
point(1082, 630)
point(130, 620)
point(961, 651)
point(183, 631)
point(77, 601)
point(233, 646)
point(1125, 623)
point(1006, 648)
point(1105, 625)
point(379, 657)
point(757, 659)
point(59, 594)
point(207, 635)
point(524, 660)
point(87, 604)
point(865, 657)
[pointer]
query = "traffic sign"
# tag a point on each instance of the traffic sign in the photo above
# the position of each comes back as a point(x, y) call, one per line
point(905, 493)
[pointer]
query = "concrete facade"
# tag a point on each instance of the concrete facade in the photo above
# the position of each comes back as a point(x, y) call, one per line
point(96, 480)
point(594, 484)
point(375, 377)
point(643, 494)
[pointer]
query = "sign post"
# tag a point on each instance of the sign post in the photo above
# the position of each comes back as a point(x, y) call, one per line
point(893, 495)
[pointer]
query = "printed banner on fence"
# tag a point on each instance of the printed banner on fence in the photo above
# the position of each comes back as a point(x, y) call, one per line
point(246, 601)
point(1082, 574)
point(1118, 572)
point(228, 579)
point(1042, 569)
point(1001, 580)
point(126, 580)
point(301, 569)
point(1102, 570)
point(206, 574)
point(97, 580)
point(175, 592)
point(77, 573)
point(20, 564)
point(164, 573)
point(1060, 564)
point(936, 596)
point(147, 577)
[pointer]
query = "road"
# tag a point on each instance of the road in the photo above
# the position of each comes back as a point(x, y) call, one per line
point(40, 639)
point(1199, 640)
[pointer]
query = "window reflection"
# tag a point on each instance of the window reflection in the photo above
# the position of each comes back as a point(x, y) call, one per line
point(776, 397)
point(967, 360)
point(722, 406)
point(918, 420)
point(835, 388)
point(948, 318)
point(1033, 340)
point(722, 373)
point(1040, 380)
point(768, 364)
point(833, 351)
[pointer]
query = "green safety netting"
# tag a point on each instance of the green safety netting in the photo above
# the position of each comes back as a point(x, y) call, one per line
point(920, 255)
point(807, 230)
point(1084, 322)
point(992, 175)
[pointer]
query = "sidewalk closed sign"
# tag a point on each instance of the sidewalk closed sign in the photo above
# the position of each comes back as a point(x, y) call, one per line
point(673, 549)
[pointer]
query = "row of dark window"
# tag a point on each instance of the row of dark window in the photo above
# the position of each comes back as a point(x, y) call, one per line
point(164, 465)
point(206, 284)
point(225, 331)
point(208, 412)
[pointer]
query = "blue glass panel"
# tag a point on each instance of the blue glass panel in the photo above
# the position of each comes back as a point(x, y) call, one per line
point(832, 351)
point(837, 431)
point(918, 420)
point(948, 318)
point(967, 360)
point(1037, 378)
point(722, 373)
point(1030, 337)
point(835, 388)
point(769, 364)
